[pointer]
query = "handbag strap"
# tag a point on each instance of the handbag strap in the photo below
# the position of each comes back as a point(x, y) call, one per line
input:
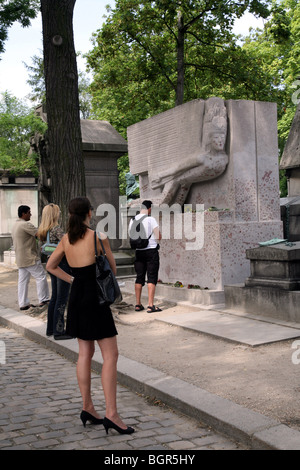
point(95, 239)
point(138, 222)
point(48, 236)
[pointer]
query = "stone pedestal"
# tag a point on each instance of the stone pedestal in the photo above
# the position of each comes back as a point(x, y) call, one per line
point(221, 260)
point(290, 215)
point(273, 288)
point(276, 266)
point(263, 301)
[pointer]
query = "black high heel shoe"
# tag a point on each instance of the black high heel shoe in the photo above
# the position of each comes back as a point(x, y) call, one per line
point(107, 423)
point(86, 416)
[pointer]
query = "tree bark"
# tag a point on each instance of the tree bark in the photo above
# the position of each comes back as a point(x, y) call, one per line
point(62, 104)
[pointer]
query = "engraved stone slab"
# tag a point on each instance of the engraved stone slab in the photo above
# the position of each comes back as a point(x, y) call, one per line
point(247, 186)
point(178, 148)
point(164, 140)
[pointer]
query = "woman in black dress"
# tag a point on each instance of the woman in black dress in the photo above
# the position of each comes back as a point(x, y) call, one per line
point(86, 320)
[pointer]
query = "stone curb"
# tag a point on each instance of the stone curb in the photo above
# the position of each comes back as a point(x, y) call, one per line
point(256, 431)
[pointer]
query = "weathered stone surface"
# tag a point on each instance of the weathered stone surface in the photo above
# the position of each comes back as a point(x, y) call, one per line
point(264, 301)
point(248, 189)
point(275, 266)
point(280, 252)
point(178, 148)
point(291, 154)
point(101, 136)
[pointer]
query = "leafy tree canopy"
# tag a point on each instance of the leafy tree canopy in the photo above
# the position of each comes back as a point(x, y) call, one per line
point(137, 63)
point(276, 50)
point(18, 124)
point(136, 59)
point(11, 11)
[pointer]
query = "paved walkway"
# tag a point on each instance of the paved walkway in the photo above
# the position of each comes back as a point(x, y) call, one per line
point(40, 406)
point(251, 364)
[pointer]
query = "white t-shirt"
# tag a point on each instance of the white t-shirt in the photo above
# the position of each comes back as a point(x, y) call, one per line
point(149, 224)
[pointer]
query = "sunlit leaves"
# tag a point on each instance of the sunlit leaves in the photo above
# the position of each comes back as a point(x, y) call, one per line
point(17, 125)
point(15, 10)
point(134, 60)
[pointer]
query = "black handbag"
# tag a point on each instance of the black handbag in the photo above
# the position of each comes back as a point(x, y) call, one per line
point(107, 285)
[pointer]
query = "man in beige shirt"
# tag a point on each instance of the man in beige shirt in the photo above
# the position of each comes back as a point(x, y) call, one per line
point(28, 260)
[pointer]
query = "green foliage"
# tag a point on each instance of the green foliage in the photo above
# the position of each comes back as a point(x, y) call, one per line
point(15, 10)
point(123, 168)
point(17, 125)
point(36, 79)
point(37, 82)
point(276, 49)
point(136, 56)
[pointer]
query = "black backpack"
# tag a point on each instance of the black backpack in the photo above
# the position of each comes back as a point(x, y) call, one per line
point(137, 235)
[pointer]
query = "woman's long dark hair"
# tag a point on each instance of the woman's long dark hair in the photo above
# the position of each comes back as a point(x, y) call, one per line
point(78, 209)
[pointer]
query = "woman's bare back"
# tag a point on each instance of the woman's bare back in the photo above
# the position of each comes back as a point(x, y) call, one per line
point(82, 252)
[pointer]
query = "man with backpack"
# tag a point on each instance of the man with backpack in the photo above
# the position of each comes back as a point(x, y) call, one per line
point(144, 236)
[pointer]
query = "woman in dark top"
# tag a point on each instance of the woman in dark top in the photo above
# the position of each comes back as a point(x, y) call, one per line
point(86, 320)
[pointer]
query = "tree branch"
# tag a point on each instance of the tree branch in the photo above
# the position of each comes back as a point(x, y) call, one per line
point(204, 42)
point(153, 57)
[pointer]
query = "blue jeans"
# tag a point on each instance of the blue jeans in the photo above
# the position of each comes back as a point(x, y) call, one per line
point(58, 302)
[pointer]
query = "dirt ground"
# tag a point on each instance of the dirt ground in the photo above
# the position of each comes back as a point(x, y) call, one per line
point(263, 378)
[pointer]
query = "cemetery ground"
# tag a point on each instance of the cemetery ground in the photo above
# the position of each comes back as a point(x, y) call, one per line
point(264, 379)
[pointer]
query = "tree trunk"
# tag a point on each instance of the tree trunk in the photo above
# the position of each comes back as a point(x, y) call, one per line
point(180, 61)
point(62, 104)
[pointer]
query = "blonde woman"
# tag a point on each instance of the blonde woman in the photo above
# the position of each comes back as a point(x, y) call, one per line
point(60, 289)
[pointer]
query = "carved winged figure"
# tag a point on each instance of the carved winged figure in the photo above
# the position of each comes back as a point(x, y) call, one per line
point(207, 163)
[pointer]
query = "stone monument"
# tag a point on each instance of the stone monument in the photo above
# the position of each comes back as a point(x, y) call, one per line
point(168, 173)
point(290, 162)
point(273, 287)
point(211, 154)
point(290, 159)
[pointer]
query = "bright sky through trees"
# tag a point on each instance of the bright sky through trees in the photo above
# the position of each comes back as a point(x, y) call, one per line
point(23, 43)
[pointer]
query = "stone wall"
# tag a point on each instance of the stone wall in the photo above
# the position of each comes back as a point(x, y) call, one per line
point(11, 197)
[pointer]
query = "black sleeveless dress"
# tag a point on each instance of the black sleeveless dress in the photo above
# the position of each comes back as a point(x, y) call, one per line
point(85, 318)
